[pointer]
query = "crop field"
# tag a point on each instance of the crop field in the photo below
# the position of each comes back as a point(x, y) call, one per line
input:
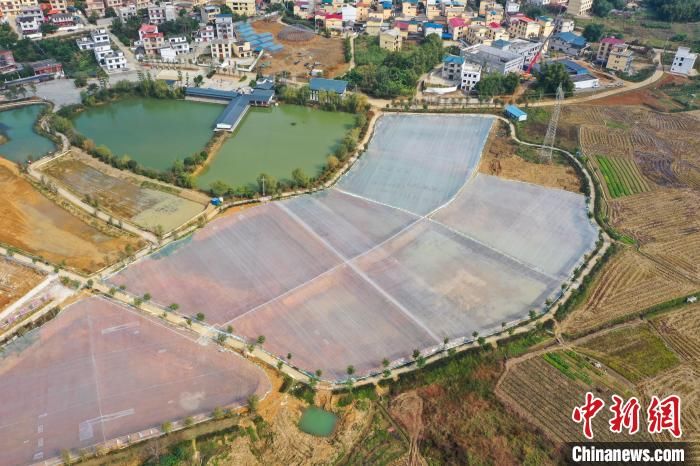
point(122, 197)
point(635, 352)
point(545, 389)
point(681, 329)
point(15, 281)
point(342, 278)
point(31, 222)
point(629, 282)
point(100, 371)
point(602, 140)
point(621, 176)
point(681, 381)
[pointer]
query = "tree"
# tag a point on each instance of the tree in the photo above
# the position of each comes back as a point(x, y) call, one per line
point(198, 80)
point(300, 178)
point(416, 353)
point(221, 338)
point(219, 189)
point(319, 372)
point(385, 362)
point(475, 334)
point(593, 32)
point(174, 307)
point(350, 370)
point(260, 340)
point(65, 456)
point(218, 413)
point(532, 314)
point(167, 427)
point(253, 402)
point(601, 8)
point(229, 329)
point(189, 420)
point(199, 316)
point(551, 76)
point(147, 296)
point(289, 356)
point(420, 362)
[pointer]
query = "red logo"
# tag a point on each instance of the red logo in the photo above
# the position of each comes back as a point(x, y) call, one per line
point(587, 412)
point(662, 415)
point(665, 415)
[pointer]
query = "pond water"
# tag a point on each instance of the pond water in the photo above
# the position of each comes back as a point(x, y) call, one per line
point(153, 132)
point(317, 421)
point(21, 141)
point(276, 141)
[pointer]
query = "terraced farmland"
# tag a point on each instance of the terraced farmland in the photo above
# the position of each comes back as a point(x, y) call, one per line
point(681, 329)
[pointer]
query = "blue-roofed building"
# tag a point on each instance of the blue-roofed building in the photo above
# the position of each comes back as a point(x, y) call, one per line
point(569, 43)
point(514, 113)
point(452, 67)
point(432, 28)
point(318, 85)
point(573, 68)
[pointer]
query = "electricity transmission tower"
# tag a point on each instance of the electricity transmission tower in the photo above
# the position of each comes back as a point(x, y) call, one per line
point(548, 144)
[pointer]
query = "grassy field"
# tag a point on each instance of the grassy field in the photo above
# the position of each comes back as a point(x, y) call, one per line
point(635, 353)
point(621, 176)
point(382, 445)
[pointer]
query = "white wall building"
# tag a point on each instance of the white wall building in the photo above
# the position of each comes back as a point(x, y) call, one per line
point(471, 74)
point(114, 61)
point(684, 61)
point(179, 44)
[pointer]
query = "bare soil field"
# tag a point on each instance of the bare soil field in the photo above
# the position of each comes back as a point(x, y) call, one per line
point(545, 389)
point(660, 96)
point(500, 158)
point(629, 282)
point(15, 281)
point(33, 223)
point(326, 53)
point(122, 196)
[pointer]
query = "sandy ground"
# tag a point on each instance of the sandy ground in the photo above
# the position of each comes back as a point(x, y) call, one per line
point(327, 52)
point(499, 158)
point(15, 281)
point(650, 97)
point(33, 223)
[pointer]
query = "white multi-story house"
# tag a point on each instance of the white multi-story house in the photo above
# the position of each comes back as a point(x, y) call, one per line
point(456, 68)
point(97, 37)
point(101, 51)
point(205, 34)
point(28, 25)
point(512, 6)
point(563, 25)
point(226, 49)
point(471, 75)
point(13, 7)
point(126, 12)
point(179, 44)
point(223, 24)
point(113, 61)
point(684, 61)
point(158, 14)
point(579, 7)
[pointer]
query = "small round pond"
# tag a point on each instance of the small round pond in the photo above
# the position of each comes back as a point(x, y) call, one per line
point(318, 422)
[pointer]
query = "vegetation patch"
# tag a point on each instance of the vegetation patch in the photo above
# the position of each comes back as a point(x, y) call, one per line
point(635, 352)
point(622, 176)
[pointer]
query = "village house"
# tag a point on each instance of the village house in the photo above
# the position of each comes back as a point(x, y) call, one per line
point(242, 7)
point(620, 58)
point(569, 43)
point(524, 27)
point(390, 39)
point(320, 85)
point(409, 8)
point(457, 28)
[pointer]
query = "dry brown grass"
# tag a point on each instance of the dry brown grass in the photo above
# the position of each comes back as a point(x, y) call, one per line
point(500, 158)
point(15, 281)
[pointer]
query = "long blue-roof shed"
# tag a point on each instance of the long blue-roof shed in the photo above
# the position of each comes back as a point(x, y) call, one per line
point(514, 113)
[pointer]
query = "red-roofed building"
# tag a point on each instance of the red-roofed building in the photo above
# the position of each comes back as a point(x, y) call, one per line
point(605, 47)
point(524, 27)
point(333, 21)
point(147, 29)
point(457, 28)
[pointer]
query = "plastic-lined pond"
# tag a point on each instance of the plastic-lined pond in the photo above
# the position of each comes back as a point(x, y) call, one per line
point(318, 422)
point(153, 132)
point(276, 141)
point(19, 141)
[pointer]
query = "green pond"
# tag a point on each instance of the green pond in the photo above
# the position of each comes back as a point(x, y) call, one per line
point(275, 141)
point(317, 421)
point(153, 132)
point(22, 142)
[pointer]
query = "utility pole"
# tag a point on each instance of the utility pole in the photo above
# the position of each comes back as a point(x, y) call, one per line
point(548, 143)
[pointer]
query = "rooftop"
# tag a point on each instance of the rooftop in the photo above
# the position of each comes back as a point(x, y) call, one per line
point(332, 85)
point(571, 38)
point(515, 111)
point(456, 59)
point(456, 22)
point(612, 41)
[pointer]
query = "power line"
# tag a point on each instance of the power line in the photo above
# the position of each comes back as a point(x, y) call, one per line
point(548, 143)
